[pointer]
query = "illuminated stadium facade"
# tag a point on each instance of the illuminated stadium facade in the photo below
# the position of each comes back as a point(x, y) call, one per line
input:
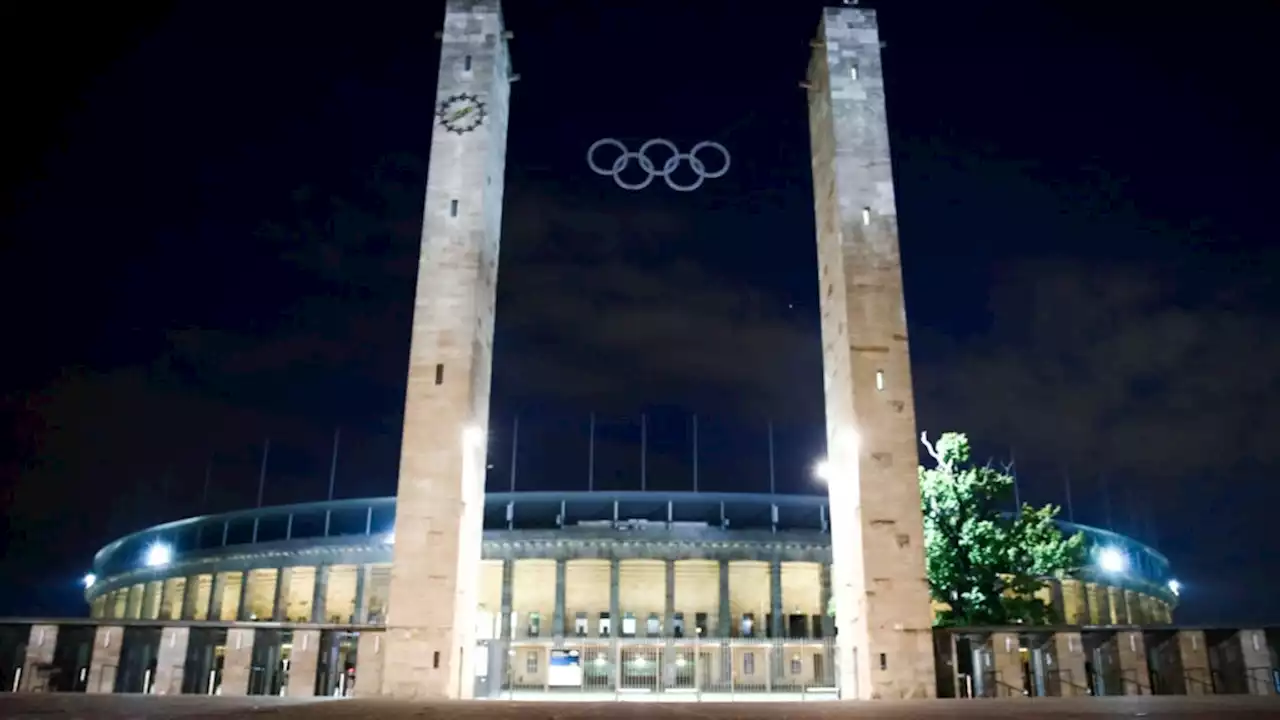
point(605, 592)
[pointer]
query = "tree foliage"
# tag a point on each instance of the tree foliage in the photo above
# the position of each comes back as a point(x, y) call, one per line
point(985, 563)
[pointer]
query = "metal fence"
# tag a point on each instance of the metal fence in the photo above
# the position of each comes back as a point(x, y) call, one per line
point(671, 670)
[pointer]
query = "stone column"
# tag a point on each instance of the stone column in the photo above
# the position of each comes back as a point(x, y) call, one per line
point(1133, 608)
point(615, 613)
point(217, 588)
point(104, 662)
point(190, 596)
point(724, 625)
point(369, 662)
point(1193, 656)
point(42, 640)
point(827, 625)
point(1104, 605)
point(243, 609)
point(557, 620)
point(508, 582)
point(1135, 675)
point(171, 660)
point(237, 662)
point(1006, 660)
point(668, 627)
point(776, 626)
point(1068, 661)
point(280, 604)
point(826, 622)
point(1057, 600)
point(364, 580)
point(1255, 656)
point(304, 661)
point(319, 594)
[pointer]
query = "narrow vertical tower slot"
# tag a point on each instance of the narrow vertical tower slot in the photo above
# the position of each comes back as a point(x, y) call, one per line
point(883, 613)
point(430, 634)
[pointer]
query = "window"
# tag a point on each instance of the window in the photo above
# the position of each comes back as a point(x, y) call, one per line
point(653, 628)
point(628, 625)
point(439, 373)
point(797, 667)
point(531, 662)
point(748, 625)
point(453, 208)
point(866, 216)
point(700, 622)
point(749, 663)
point(580, 625)
point(853, 73)
point(879, 379)
point(604, 624)
point(797, 626)
point(677, 625)
point(466, 64)
point(817, 626)
point(535, 624)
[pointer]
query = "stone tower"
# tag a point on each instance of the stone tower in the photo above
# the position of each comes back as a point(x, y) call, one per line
point(883, 615)
point(430, 638)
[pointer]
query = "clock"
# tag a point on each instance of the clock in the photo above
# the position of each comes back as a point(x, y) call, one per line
point(461, 113)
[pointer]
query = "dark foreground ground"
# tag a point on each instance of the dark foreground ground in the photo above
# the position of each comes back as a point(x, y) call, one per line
point(134, 707)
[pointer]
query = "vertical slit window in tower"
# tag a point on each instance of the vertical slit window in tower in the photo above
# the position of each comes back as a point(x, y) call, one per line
point(439, 373)
point(435, 660)
point(453, 208)
point(884, 661)
point(866, 216)
point(466, 63)
point(853, 73)
point(880, 380)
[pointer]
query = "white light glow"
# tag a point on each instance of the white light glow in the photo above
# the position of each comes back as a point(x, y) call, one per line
point(1112, 560)
point(823, 471)
point(473, 436)
point(158, 554)
point(1175, 587)
point(90, 579)
point(389, 538)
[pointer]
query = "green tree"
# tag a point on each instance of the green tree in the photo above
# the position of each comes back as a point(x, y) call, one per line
point(985, 563)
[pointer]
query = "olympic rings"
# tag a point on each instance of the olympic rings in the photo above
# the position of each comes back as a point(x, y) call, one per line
point(668, 167)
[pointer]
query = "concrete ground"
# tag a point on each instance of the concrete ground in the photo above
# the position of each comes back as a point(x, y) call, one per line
point(137, 707)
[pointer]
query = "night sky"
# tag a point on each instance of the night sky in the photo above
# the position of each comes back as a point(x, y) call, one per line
point(211, 221)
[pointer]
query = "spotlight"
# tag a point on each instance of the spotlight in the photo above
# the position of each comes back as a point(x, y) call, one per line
point(1175, 587)
point(1112, 560)
point(158, 554)
point(90, 579)
point(823, 471)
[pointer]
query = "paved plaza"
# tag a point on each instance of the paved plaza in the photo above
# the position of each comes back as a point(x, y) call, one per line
point(138, 707)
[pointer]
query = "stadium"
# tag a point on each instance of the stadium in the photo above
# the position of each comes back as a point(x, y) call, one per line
point(618, 592)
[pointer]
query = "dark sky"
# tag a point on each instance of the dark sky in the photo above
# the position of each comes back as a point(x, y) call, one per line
point(210, 229)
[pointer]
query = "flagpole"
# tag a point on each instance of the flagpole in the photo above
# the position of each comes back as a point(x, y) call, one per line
point(333, 474)
point(644, 447)
point(262, 482)
point(591, 454)
point(695, 452)
point(515, 447)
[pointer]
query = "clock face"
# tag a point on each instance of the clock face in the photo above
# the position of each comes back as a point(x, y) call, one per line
point(461, 113)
